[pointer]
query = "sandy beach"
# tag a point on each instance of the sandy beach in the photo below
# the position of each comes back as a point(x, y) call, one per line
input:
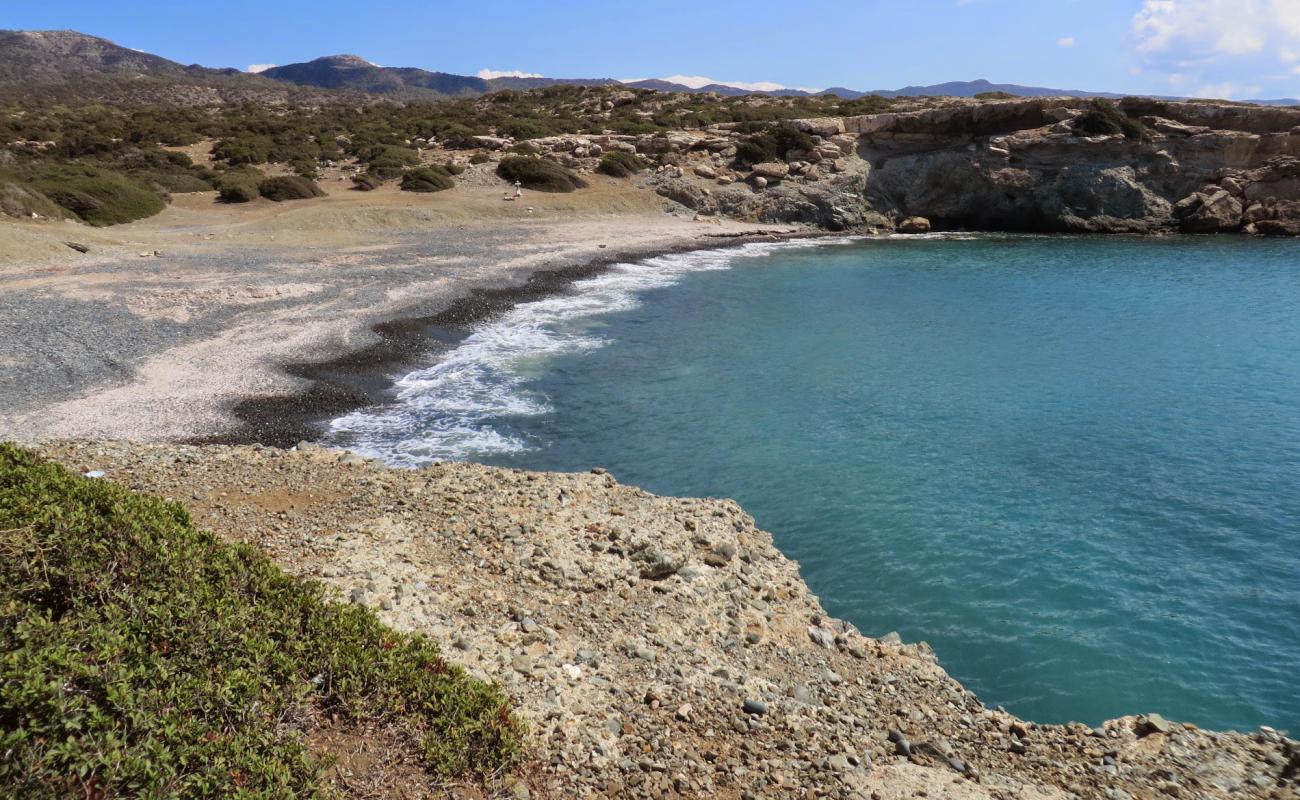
point(168, 324)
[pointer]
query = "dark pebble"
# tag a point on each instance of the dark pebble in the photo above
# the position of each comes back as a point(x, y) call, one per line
point(754, 707)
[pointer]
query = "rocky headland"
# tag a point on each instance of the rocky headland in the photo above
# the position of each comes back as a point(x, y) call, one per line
point(1008, 165)
point(662, 647)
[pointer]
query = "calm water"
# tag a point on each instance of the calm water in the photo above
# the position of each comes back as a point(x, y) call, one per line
point(1070, 464)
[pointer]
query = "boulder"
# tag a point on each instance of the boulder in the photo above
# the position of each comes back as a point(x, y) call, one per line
point(914, 225)
point(1209, 212)
point(771, 170)
point(705, 171)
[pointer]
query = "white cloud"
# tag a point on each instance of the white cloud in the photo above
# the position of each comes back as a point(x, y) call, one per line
point(489, 74)
point(258, 67)
point(1204, 42)
point(1207, 29)
point(1065, 41)
point(1227, 90)
point(696, 81)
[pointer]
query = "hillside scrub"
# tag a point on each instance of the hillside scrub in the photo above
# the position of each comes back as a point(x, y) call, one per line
point(146, 658)
point(427, 179)
point(239, 185)
point(538, 174)
point(289, 187)
point(1105, 119)
point(98, 196)
point(620, 164)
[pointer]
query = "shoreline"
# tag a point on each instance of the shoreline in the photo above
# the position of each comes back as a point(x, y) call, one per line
point(660, 643)
point(363, 377)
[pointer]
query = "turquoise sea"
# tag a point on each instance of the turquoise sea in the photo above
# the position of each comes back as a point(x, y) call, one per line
point(1072, 465)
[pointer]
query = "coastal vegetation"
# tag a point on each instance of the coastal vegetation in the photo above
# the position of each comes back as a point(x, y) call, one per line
point(427, 179)
point(289, 187)
point(538, 174)
point(620, 164)
point(1103, 118)
point(117, 162)
point(144, 657)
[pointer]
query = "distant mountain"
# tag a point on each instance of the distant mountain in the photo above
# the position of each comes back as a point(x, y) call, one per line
point(67, 66)
point(84, 65)
point(354, 72)
point(981, 86)
point(68, 56)
point(357, 74)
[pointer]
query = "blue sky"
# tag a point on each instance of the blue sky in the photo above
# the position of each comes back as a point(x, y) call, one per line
point(1221, 48)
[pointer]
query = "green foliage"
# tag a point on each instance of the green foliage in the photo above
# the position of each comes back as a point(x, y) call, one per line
point(453, 168)
point(620, 164)
point(524, 149)
point(289, 187)
point(772, 143)
point(427, 179)
point(1103, 118)
point(17, 200)
point(366, 182)
point(526, 129)
point(98, 196)
point(238, 185)
point(480, 158)
point(145, 658)
point(538, 174)
point(458, 137)
point(995, 96)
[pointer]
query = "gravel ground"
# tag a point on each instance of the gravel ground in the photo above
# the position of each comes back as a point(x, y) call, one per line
point(662, 647)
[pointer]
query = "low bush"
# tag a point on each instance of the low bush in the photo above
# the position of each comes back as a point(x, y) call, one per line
point(17, 200)
point(289, 187)
point(538, 174)
point(525, 149)
point(480, 158)
point(1103, 118)
point(237, 193)
point(453, 168)
point(146, 658)
point(427, 179)
point(238, 185)
point(620, 164)
point(366, 182)
point(99, 197)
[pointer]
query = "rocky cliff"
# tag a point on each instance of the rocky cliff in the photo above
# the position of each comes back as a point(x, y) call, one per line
point(662, 647)
point(1037, 164)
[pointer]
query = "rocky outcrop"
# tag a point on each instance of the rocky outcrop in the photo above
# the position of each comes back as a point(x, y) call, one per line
point(1029, 164)
point(663, 647)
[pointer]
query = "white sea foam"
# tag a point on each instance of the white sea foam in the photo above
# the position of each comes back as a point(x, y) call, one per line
point(449, 410)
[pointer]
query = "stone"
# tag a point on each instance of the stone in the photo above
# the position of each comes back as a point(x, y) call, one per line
point(772, 170)
point(760, 182)
point(1154, 723)
point(914, 225)
point(820, 636)
point(754, 707)
point(79, 247)
point(705, 171)
point(1209, 212)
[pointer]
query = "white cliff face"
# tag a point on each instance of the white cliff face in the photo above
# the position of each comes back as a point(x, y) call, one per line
point(661, 645)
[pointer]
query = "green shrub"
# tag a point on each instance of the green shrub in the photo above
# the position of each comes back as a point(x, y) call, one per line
point(480, 158)
point(525, 149)
point(237, 193)
point(366, 182)
point(995, 96)
point(145, 658)
point(427, 179)
point(756, 150)
point(289, 187)
point(99, 197)
point(176, 182)
point(538, 174)
point(620, 164)
point(1103, 119)
point(17, 200)
point(458, 137)
point(526, 129)
point(453, 168)
point(238, 185)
